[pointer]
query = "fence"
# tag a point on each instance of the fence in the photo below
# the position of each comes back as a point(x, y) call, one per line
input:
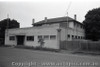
point(80, 45)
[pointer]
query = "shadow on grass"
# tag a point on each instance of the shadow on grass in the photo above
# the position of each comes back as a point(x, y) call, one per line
point(94, 53)
point(38, 48)
point(79, 52)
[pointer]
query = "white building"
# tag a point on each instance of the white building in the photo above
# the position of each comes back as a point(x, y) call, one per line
point(52, 31)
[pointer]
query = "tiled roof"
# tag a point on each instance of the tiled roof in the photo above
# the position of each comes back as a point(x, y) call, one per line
point(56, 20)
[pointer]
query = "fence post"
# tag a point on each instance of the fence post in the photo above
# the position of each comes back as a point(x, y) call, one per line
point(80, 45)
point(87, 45)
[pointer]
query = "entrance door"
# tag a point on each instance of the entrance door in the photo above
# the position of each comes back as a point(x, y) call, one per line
point(20, 40)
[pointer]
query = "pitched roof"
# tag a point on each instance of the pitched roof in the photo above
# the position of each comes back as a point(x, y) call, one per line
point(56, 20)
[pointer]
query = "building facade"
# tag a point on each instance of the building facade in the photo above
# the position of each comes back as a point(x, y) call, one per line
point(51, 31)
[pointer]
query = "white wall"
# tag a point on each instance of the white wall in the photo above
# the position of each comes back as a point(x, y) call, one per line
point(71, 24)
point(73, 29)
point(34, 31)
point(8, 42)
point(63, 36)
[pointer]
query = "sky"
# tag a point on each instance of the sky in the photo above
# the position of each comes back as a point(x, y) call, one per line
point(25, 10)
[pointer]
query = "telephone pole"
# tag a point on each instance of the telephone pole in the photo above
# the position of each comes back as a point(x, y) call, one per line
point(7, 27)
point(66, 29)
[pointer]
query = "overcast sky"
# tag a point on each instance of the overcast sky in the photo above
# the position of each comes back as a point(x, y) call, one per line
point(25, 11)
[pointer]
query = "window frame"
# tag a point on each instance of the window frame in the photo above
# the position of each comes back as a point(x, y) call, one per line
point(76, 37)
point(72, 36)
point(52, 37)
point(11, 38)
point(46, 37)
point(68, 35)
point(39, 36)
point(30, 38)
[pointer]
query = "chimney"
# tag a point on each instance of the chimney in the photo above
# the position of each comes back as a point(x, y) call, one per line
point(33, 20)
point(45, 19)
point(75, 17)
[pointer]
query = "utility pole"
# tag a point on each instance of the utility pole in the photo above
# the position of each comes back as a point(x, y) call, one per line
point(7, 27)
point(66, 29)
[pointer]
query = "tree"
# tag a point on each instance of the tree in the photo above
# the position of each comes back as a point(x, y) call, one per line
point(7, 23)
point(92, 24)
point(41, 41)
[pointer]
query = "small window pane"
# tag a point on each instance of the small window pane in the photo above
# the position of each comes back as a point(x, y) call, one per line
point(68, 36)
point(76, 37)
point(72, 36)
point(46, 37)
point(30, 38)
point(53, 37)
point(12, 38)
point(40, 37)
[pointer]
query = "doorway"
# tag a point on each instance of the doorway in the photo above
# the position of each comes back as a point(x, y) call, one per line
point(20, 39)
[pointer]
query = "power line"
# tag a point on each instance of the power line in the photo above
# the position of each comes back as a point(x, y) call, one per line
point(66, 30)
point(68, 9)
point(69, 6)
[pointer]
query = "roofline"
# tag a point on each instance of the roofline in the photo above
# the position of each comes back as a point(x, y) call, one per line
point(57, 22)
point(51, 22)
point(38, 23)
point(78, 22)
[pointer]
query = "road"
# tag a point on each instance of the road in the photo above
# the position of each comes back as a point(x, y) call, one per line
point(14, 57)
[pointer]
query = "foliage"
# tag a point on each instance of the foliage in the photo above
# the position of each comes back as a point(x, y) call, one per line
point(41, 41)
point(7, 22)
point(92, 24)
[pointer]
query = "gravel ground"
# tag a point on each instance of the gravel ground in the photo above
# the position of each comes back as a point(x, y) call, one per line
point(14, 57)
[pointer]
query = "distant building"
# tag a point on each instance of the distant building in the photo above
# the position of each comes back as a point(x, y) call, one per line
point(52, 31)
point(7, 23)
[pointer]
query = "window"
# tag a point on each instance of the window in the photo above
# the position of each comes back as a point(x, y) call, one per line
point(72, 36)
point(76, 37)
point(40, 37)
point(71, 25)
point(83, 37)
point(46, 37)
point(68, 36)
point(53, 37)
point(30, 38)
point(12, 38)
